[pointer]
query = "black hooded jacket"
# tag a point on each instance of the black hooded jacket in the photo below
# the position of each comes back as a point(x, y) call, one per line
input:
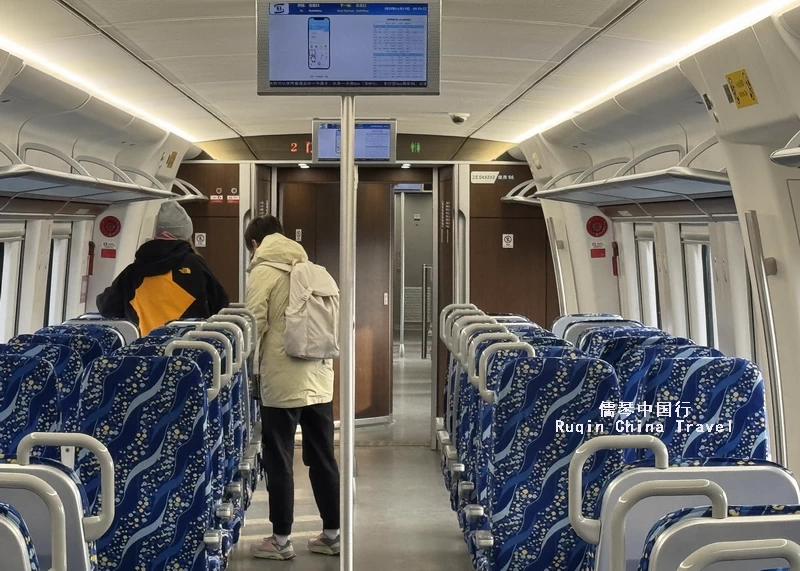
point(167, 281)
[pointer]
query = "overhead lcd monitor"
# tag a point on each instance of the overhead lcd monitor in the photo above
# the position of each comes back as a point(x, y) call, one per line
point(375, 141)
point(377, 48)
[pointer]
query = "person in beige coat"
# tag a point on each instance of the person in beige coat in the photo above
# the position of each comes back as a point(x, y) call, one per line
point(293, 391)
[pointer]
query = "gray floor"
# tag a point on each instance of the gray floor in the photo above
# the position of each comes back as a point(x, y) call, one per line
point(403, 516)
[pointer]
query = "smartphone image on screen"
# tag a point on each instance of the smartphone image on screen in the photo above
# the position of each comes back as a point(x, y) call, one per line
point(319, 43)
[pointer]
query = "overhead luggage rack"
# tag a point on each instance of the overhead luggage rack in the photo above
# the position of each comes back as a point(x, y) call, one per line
point(190, 192)
point(789, 156)
point(681, 182)
point(20, 180)
point(519, 194)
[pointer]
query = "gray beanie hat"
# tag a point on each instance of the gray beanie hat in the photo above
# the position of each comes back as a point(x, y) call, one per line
point(172, 218)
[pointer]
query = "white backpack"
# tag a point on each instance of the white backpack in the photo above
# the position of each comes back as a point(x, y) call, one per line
point(312, 317)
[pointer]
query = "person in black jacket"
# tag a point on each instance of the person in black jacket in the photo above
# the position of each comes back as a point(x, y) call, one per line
point(168, 280)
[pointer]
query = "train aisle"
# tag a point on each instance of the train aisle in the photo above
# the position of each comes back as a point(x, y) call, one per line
point(403, 518)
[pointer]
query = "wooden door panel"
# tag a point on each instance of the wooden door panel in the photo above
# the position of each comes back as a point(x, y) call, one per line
point(374, 351)
point(509, 280)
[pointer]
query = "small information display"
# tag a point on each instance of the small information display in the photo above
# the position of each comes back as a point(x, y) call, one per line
point(375, 141)
point(343, 48)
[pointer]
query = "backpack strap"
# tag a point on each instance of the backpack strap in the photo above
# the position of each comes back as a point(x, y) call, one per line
point(283, 267)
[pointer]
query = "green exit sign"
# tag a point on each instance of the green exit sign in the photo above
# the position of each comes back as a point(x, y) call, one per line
point(416, 148)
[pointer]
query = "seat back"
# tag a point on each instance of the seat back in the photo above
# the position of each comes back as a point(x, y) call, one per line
point(682, 532)
point(634, 365)
point(29, 399)
point(215, 435)
point(68, 368)
point(575, 330)
point(708, 407)
point(531, 453)
point(128, 330)
point(87, 348)
point(109, 338)
point(151, 415)
point(610, 345)
point(561, 322)
point(16, 544)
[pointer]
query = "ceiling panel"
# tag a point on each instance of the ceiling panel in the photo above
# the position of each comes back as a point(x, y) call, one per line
point(106, 12)
point(181, 38)
point(580, 12)
point(646, 22)
point(506, 38)
point(493, 49)
point(207, 69)
point(51, 22)
point(489, 70)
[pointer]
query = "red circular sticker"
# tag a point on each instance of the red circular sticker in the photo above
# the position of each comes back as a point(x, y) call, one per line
point(597, 226)
point(110, 226)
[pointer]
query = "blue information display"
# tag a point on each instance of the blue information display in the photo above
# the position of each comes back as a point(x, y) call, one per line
point(348, 45)
point(374, 142)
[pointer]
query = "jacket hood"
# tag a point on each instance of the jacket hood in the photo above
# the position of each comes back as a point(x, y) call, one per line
point(278, 249)
point(157, 257)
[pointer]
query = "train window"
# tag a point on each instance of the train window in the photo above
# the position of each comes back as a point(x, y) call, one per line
point(58, 270)
point(699, 279)
point(648, 280)
point(12, 236)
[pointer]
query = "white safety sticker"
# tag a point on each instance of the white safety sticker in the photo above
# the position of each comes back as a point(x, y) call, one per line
point(508, 241)
point(200, 240)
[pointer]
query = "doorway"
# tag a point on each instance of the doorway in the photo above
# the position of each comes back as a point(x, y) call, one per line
point(413, 286)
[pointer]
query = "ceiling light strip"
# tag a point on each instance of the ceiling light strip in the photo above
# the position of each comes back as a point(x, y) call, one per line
point(715, 35)
point(81, 82)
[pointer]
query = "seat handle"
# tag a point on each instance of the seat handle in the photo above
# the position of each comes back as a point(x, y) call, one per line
point(445, 313)
point(586, 528)
point(743, 551)
point(473, 351)
point(483, 365)
point(227, 377)
point(58, 518)
point(94, 527)
point(639, 492)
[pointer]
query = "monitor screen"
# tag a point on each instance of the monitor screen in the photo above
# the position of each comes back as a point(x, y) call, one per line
point(375, 141)
point(337, 46)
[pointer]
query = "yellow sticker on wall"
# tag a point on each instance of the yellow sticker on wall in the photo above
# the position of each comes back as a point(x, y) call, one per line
point(742, 90)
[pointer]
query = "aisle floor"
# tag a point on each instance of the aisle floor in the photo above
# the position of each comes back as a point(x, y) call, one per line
point(403, 517)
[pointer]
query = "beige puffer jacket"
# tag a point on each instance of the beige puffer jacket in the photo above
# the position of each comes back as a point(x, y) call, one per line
point(286, 382)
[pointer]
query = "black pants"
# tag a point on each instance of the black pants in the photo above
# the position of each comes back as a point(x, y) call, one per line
point(278, 427)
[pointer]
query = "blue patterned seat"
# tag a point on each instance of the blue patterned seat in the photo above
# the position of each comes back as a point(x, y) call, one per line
point(68, 368)
point(25, 556)
point(527, 484)
point(231, 399)
point(109, 338)
point(718, 391)
point(150, 414)
point(215, 434)
point(473, 432)
point(469, 399)
point(632, 368)
point(610, 345)
point(86, 347)
point(29, 399)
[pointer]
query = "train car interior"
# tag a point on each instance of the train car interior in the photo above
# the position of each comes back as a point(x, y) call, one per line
point(566, 241)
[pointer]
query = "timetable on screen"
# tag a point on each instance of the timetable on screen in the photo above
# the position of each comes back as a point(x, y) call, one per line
point(375, 141)
point(344, 48)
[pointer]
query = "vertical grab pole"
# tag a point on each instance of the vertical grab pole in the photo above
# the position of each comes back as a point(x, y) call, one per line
point(347, 360)
point(773, 364)
point(402, 274)
point(425, 311)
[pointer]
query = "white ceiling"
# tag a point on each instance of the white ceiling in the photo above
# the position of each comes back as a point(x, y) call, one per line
point(493, 51)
